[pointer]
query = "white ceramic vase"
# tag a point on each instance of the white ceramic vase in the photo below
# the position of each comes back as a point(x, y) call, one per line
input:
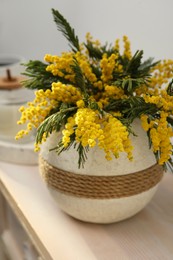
point(106, 209)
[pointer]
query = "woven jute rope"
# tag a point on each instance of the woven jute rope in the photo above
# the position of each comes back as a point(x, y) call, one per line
point(100, 187)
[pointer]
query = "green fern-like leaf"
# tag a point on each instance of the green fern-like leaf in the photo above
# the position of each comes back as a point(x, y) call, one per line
point(66, 29)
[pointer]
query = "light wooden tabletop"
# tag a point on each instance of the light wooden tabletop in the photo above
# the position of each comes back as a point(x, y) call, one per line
point(148, 235)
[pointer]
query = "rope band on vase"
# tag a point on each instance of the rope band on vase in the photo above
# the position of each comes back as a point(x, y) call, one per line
point(100, 187)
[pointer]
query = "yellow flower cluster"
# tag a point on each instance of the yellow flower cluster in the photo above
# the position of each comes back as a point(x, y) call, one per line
point(117, 45)
point(114, 92)
point(89, 38)
point(99, 84)
point(161, 74)
point(146, 125)
point(110, 91)
point(116, 139)
point(60, 64)
point(107, 65)
point(89, 129)
point(160, 134)
point(68, 131)
point(127, 47)
point(65, 93)
point(37, 145)
point(43, 103)
point(167, 101)
point(85, 67)
point(36, 111)
point(163, 100)
point(80, 103)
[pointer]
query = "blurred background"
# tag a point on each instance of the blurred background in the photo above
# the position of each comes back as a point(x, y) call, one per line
point(27, 28)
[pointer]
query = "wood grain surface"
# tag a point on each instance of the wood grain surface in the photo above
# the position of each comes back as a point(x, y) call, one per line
point(148, 235)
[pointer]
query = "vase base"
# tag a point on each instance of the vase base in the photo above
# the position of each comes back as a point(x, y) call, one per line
point(102, 211)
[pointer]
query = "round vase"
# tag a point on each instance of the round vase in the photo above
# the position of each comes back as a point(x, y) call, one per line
point(103, 191)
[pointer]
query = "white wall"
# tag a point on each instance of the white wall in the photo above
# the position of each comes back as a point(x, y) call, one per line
point(27, 27)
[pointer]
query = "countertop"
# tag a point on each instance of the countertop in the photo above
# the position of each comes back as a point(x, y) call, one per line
point(147, 235)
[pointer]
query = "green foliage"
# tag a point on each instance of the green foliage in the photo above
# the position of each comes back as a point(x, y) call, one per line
point(132, 108)
point(132, 75)
point(67, 31)
point(54, 122)
point(38, 77)
point(170, 88)
point(79, 77)
point(96, 52)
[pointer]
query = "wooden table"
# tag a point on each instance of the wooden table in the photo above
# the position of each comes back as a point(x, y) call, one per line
point(148, 235)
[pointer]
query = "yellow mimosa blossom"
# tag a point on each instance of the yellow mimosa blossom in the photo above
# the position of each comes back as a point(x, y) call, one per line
point(89, 38)
point(165, 132)
point(110, 134)
point(161, 74)
point(145, 123)
point(127, 47)
point(117, 45)
point(167, 101)
point(163, 100)
point(65, 93)
point(36, 111)
point(160, 133)
point(86, 67)
point(116, 138)
point(107, 65)
point(68, 131)
point(38, 144)
point(88, 128)
point(61, 66)
point(80, 103)
point(98, 84)
point(114, 92)
point(153, 99)
point(104, 101)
